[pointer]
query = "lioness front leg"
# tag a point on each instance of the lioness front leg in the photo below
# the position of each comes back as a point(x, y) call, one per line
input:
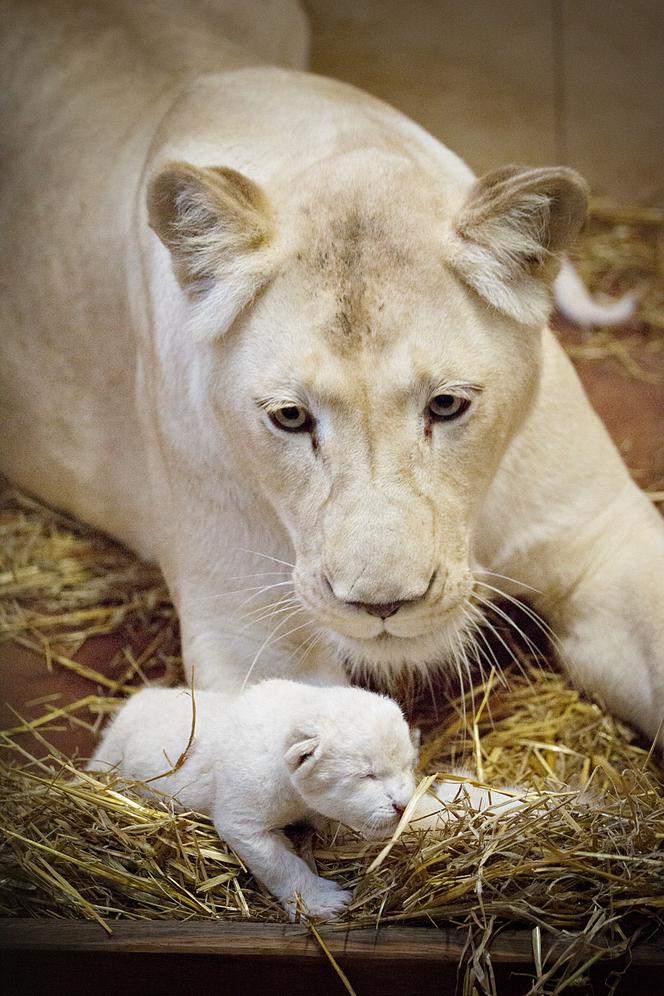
point(227, 653)
point(566, 521)
point(611, 622)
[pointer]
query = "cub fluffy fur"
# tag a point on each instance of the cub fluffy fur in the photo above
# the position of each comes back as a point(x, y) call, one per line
point(278, 753)
point(199, 250)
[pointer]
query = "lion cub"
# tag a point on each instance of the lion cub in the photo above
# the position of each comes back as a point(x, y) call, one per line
point(277, 753)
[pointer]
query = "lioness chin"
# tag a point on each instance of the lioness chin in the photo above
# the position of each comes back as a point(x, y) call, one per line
point(266, 330)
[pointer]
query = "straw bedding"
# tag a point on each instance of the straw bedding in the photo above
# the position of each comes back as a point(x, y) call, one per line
point(582, 863)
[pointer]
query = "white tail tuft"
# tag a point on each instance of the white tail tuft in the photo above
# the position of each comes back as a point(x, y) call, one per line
point(574, 301)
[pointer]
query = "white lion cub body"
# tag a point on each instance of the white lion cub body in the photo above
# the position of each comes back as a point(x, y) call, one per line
point(278, 753)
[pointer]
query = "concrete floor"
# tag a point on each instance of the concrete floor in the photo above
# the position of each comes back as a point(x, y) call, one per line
point(531, 81)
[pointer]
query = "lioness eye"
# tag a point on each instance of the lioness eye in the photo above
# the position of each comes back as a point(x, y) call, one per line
point(292, 418)
point(448, 406)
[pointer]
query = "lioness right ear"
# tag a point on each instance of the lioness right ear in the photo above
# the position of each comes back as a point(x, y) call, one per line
point(216, 224)
point(300, 751)
point(509, 235)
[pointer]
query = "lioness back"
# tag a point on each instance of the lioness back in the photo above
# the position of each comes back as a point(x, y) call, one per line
point(84, 86)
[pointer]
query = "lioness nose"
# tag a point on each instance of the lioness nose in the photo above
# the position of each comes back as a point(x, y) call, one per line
point(382, 609)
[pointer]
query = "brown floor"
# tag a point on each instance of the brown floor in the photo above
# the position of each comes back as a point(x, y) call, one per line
point(633, 410)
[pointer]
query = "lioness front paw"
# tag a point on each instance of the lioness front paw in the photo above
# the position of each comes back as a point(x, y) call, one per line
point(322, 898)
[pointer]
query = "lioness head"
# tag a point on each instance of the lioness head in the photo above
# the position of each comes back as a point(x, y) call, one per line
point(374, 344)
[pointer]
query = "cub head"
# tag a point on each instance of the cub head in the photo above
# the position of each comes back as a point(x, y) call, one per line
point(354, 761)
point(370, 340)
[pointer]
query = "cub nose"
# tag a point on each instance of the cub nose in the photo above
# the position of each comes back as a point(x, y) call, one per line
point(398, 809)
point(382, 609)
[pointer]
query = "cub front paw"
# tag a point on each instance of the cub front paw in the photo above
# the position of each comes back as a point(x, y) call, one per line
point(322, 898)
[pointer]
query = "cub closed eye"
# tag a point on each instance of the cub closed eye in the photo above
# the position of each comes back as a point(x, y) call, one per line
point(291, 418)
point(444, 407)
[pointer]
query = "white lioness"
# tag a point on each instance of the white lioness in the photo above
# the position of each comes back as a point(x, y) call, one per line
point(253, 318)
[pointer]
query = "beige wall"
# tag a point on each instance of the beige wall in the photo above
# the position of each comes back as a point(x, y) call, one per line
point(531, 81)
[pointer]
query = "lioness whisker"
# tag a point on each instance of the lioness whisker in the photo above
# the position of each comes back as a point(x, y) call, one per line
point(310, 645)
point(506, 577)
point(271, 639)
point(259, 574)
point(476, 628)
point(488, 655)
point(257, 594)
point(462, 691)
point(527, 610)
point(432, 692)
point(269, 613)
point(267, 556)
point(532, 647)
point(279, 598)
point(466, 662)
point(304, 648)
point(238, 591)
point(512, 655)
point(480, 657)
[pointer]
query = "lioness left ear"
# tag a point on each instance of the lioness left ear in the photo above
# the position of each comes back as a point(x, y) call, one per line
point(509, 235)
point(216, 224)
point(302, 750)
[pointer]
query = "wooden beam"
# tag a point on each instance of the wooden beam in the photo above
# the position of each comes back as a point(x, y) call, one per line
point(167, 957)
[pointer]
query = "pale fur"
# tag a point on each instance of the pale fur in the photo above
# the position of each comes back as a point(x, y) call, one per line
point(389, 272)
point(279, 753)
point(450, 798)
point(575, 303)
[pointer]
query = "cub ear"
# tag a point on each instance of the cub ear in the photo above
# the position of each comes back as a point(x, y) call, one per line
point(302, 749)
point(509, 235)
point(216, 224)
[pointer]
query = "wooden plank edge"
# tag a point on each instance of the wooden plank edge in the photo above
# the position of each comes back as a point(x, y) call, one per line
point(275, 941)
